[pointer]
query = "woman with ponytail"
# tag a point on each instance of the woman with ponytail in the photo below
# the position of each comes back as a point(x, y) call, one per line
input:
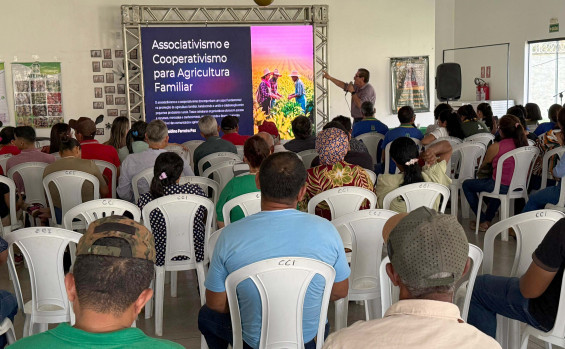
point(135, 140)
point(166, 175)
point(430, 166)
point(513, 136)
point(449, 125)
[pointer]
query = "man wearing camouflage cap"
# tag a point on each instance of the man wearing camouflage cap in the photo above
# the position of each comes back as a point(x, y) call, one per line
point(429, 254)
point(108, 287)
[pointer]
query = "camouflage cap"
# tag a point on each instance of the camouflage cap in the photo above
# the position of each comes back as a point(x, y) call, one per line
point(100, 233)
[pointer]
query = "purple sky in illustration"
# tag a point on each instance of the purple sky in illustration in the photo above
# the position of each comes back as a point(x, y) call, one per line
point(282, 41)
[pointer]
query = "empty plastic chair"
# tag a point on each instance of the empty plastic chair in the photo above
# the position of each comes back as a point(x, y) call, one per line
point(192, 145)
point(102, 166)
point(249, 203)
point(419, 194)
point(282, 288)
point(307, 156)
point(469, 155)
point(343, 200)
point(145, 175)
point(14, 223)
point(372, 140)
point(92, 210)
point(222, 173)
point(216, 158)
point(485, 138)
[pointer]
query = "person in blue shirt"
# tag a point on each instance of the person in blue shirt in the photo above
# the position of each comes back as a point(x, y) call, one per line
point(406, 116)
point(298, 90)
point(552, 124)
point(369, 122)
point(278, 230)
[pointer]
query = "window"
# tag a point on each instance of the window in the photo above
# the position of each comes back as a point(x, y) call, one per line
point(546, 73)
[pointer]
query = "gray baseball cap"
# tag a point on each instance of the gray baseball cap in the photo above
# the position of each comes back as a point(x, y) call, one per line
point(428, 249)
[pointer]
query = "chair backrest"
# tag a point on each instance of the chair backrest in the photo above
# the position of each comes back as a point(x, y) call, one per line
point(239, 151)
point(3, 159)
point(419, 194)
point(307, 156)
point(179, 211)
point(531, 142)
point(217, 158)
point(205, 184)
point(211, 243)
point(221, 173)
point(372, 141)
point(390, 293)
point(192, 145)
point(32, 176)
point(43, 249)
point(547, 157)
point(362, 233)
point(469, 154)
point(12, 195)
point(372, 175)
point(69, 185)
point(282, 284)
point(484, 138)
point(452, 140)
point(146, 175)
point(96, 209)
point(343, 200)
point(249, 203)
point(524, 158)
point(175, 148)
point(103, 165)
point(530, 229)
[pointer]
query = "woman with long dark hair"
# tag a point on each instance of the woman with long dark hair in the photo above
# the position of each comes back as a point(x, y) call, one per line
point(135, 140)
point(166, 175)
point(449, 125)
point(7, 139)
point(59, 132)
point(470, 122)
point(533, 116)
point(484, 113)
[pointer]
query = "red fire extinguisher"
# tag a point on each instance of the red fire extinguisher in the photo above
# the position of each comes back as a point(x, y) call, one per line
point(483, 90)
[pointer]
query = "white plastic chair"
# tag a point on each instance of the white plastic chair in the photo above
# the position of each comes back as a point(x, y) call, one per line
point(185, 155)
point(559, 151)
point(222, 173)
point(14, 223)
point(179, 212)
point(282, 284)
point(531, 143)
point(205, 184)
point(485, 138)
point(371, 141)
point(7, 328)
point(32, 177)
point(216, 158)
point(307, 156)
point(524, 159)
point(211, 243)
point(343, 200)
point(146, 175)
point(69, 185)
point(43, 249)
point(530, 228)
point(419, 194)
point(469, 155)
point(452, 140)
point(239, 151)
point(192, 145)
point(386, 158)
point(390, 293)
point(362, 232)
point(249, 203)
point(372, 175)
point(103, 165)
point(96, 209)
point(3, 159)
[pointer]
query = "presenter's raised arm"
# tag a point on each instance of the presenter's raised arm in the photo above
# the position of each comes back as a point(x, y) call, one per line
point(337, 82)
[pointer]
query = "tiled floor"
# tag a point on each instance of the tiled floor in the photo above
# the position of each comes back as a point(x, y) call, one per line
point(181, 313)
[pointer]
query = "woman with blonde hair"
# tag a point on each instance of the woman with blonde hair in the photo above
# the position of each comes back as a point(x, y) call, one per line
point(118, 133)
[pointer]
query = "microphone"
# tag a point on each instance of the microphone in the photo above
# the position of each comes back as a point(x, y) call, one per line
point(347, 87)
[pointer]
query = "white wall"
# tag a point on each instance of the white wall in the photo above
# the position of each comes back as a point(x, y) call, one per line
point(363, 33)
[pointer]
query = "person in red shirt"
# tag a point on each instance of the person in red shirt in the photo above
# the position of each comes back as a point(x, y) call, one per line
point(7, 141)
point(230, 128)
point(85, 130)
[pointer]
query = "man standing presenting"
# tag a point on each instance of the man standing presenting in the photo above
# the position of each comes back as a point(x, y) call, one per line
point(361, 91)
point(298, 90)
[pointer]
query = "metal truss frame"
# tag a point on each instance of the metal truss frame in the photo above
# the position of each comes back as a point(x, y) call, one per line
point(136, 16)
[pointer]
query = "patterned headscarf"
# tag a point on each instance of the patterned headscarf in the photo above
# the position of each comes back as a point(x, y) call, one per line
point(332, 144)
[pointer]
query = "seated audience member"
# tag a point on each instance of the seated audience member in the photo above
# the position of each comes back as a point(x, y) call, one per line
point(437, 111)
point(359, 158)
point(7, 141)
point(303, 138)
point(449, 125)
point(354, 144)
point(484, 113)
point(255, 151)
point(425, 316)
point(71, 160)
point(332, 144)
point(106, 303)
point(520, 112)
point(209, 130)
point(291, 233)
point(135, 140)
point(8, 302)
point(429, 167)
point(59, 131)
point(118, 132)
point(532, 298)
point(157, 138)
point(5, 207)
point(513, 136)
point(166, 174)
point(546, 126)
point(533, 116)
point(369, 123)
point(406, 116)
point(91, 149)
point(269, 140)
point(230, 128)
point(270, 128)
point(25, 141)
point(470, 122)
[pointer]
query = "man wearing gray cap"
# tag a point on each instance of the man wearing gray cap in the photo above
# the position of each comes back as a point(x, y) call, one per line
point(429, 254)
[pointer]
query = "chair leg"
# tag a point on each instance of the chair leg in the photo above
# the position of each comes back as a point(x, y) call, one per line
point(454, 200)
point(504, 212)
point(159, 295)
point(150, 302)
point(525, 340)
point(478, 222)
point(341, 310)
point(373, 309)
point(201, 275)
point(173, 283)
point(465, 209)
point(27, 324)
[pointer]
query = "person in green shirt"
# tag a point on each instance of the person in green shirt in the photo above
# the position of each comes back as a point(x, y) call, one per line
point(470, 121)
point(108, 287)
point(255, 150)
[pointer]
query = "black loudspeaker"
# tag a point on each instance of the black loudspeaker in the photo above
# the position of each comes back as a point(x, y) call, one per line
point(448, 81)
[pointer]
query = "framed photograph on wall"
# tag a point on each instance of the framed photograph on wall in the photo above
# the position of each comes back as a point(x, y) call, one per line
point(97, 79)
point(95, 66)
point(410, 83)
point(95, 53)
point(98, 92)
point(119, 53)
point(98, 105)
point(110, 78)
point(107, 53)
point(112, 112)
point(110, 89)
point(107, 63)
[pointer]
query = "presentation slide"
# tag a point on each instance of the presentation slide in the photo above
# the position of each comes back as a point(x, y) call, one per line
point(260, 73)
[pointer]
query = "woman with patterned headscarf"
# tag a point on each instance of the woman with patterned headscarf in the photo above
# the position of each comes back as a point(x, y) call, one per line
point(332, 144)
